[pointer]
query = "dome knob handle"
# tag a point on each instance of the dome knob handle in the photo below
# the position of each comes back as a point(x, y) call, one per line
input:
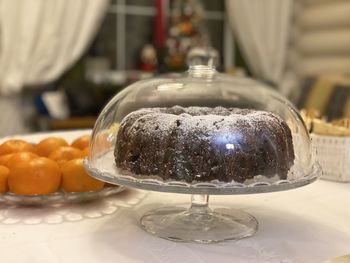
point(204, 56)
point(202, 62)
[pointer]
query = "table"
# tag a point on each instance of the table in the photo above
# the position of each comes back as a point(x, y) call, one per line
point(308, 224)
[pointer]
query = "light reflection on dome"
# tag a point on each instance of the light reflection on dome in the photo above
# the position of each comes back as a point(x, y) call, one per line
point(228, 141)
point(230, 146)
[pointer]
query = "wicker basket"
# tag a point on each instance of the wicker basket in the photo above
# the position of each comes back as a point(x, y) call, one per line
point(333, 154)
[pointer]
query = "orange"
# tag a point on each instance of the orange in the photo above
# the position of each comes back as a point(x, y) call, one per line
point(14, 146)
point(85, 151)
point(4, 173)
point(110, 185)
point(35, 176)
point(76, 179)
point(4, 158)
point(81, 142)
point(16, 158)
point(48, 145)
point(65, 153)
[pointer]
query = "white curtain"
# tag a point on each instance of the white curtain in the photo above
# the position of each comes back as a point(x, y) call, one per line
point(12, 115)
point(262, 30)
point(40, 39)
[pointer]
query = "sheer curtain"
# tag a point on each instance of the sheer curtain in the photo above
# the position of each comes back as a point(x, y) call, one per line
point(262, 30)
point(39, 40)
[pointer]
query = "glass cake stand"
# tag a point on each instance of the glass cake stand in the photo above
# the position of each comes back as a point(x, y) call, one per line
point(272, 131)
point(198, 223)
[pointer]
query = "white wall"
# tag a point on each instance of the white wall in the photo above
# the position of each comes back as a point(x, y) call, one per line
point(323, 38)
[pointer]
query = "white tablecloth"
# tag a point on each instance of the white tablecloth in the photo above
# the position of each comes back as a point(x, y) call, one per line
point(309, 224)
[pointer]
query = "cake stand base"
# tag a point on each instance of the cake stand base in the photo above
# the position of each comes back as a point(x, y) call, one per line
point(199, 224)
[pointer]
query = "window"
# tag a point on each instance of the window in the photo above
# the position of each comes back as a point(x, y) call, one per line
point(129, 24)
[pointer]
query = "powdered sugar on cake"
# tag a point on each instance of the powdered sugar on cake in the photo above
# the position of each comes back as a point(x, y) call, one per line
point(204, 144)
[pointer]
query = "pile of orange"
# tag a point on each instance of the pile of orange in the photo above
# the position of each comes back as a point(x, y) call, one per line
point(46, 167)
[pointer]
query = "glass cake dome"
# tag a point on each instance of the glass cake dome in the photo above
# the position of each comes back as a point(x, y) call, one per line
point(203, 126)
point(201, 133)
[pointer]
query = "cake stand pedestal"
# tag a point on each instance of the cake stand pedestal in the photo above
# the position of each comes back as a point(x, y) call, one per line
point(198, 223)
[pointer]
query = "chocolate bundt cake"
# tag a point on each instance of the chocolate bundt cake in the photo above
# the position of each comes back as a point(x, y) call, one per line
point(204, 144)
